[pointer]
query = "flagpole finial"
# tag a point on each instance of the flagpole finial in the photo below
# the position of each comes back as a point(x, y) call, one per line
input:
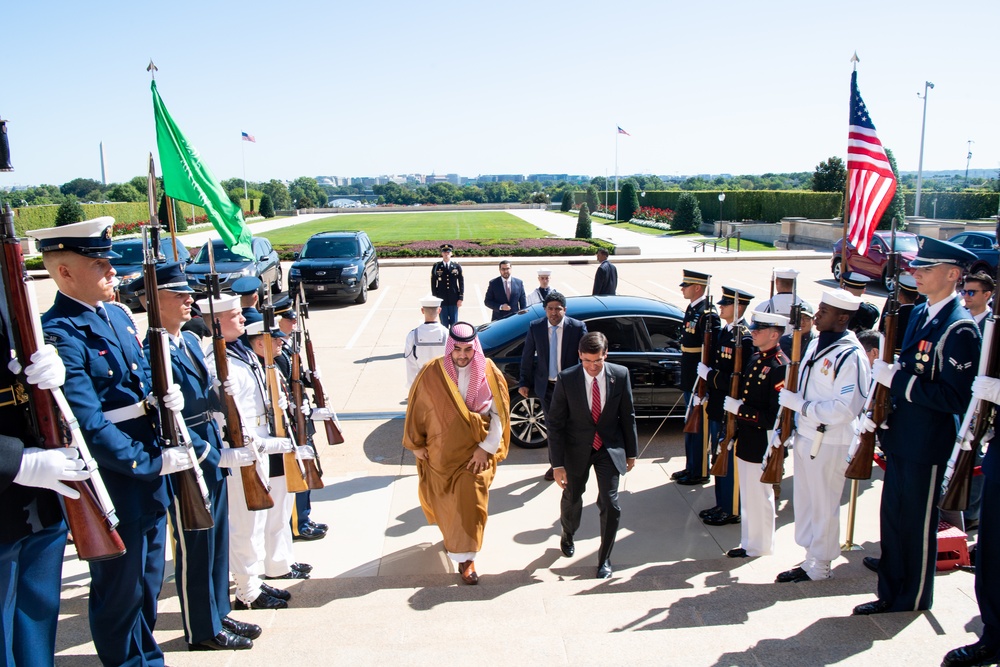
point(855, 60)
point(151, 68)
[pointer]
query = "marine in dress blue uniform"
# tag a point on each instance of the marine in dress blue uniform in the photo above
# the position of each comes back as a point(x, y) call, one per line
point(719, 377)
point(448, 284)
point(201, 560)
point(107, 380)
point(698, 315)
point(930, 386)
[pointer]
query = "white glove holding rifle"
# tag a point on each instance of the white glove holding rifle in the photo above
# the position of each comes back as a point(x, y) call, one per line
point(46, 370)
point(175, 459)
point(236, 457)
point(49, 468)
point(273, 445)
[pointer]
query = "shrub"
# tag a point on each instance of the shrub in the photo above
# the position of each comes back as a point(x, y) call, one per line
point(266, 207)
point(628, 202)
point(687, 217)
point(583, 223)
point(568, 201)
point(592, 200)
point(69, 212)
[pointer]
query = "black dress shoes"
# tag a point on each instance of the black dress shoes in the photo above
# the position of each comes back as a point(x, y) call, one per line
point(292, 574)
point(248, 630)
point(224, 641)
point(263, 601)
point(704, 514)
point(307, 534)
point(550, 475)
point(279, 593)
point(566, 545)
point(871, 563)
point(604, 570)
point(317, 526)
point(796, 574)
point(679, 474)
point(468, 571)
point(737, 553)
point(692, 481)
point(873, 607)
point(722, 518)
point(302, 567)
point(971, 655)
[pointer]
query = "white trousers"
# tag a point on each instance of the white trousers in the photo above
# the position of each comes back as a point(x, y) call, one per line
point(278, 557)
point(246, 541)
point(819, 485)
point(757, 500)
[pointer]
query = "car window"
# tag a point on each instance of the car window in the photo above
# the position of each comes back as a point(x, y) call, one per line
point(331, 248)
point(621, 332)
point(222, 254)
point(664, 333)
point(130, 251)
point(961, 239)
point(978, 243)
point(877, 244)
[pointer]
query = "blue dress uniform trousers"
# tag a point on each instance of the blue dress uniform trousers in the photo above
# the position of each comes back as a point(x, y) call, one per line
point(303, 508)
point(988, 551)
point(727, 495)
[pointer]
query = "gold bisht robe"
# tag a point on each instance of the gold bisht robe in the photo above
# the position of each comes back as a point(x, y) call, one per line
point(452, 496)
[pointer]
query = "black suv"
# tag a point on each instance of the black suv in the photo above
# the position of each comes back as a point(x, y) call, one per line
point(340, 265)
point(129, 266)
point(231, 266)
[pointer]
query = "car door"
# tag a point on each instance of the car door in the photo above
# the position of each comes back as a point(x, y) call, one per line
point(871, 264)
point(628, 346)
point(664, 362)
point(267, 261)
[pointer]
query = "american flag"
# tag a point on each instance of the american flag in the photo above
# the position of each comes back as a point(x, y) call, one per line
point(621, 131)
point(249, 137)
point(870, 181)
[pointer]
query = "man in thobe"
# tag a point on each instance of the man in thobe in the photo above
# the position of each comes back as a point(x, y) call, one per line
point(427, 341)
point(458, 427)
point(832, 391)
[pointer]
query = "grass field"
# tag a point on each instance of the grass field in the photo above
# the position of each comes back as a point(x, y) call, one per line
point(402, 227)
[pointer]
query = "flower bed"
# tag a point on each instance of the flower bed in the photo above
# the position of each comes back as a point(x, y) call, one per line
point(483, 248)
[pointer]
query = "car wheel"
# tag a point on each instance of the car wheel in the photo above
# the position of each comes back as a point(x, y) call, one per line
point(836, 269)
point(363, 297)
point(887, 281)
point(982, 266)
point(527, 422)
point(276, 286)
point(374, 283)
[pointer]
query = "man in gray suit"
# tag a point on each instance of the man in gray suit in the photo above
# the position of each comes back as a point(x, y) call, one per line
point(592, 423)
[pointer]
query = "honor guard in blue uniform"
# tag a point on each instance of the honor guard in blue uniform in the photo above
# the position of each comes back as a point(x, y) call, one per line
point(866, 315)
point(201, 561)
point(908, 297)
point(32, 530)
point(756, 411)
point(448, 284)
point(930, 385)
point(107, 381)
point(699, 314)
point(986, 651)
point(719, 375)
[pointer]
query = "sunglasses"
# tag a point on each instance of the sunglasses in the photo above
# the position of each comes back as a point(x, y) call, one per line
point(970, 292)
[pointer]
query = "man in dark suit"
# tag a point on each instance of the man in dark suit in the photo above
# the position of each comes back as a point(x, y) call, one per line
point(930, 386)
point(505, 295)
point(541, 361)
point(606, 278)
point(592, 423)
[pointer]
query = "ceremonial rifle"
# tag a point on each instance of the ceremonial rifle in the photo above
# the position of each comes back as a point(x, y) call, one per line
point(774, 465)
point(255, 492)
point(695, 418)
point(190, 490)
point(721, 466)
point(91, 517)
point(334, 435)
point(313, 469)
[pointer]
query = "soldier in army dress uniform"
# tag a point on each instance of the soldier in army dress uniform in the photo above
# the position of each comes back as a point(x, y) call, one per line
point(448, 284)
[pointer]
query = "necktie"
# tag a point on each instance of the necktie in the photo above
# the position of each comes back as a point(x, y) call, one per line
point(506, 288)
point(595, 409)
point(553, 352)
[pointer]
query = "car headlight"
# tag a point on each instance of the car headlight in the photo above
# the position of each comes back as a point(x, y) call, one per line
point(294, 273)
point(246, 272)
point(351, 270)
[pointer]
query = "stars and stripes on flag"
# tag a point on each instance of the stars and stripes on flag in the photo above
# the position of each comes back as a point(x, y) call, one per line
point(621, 131)
point(249, 137)
point(870, 181)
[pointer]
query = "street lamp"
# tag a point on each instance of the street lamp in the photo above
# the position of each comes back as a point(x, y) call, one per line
point(722, 198)
point(920, 165)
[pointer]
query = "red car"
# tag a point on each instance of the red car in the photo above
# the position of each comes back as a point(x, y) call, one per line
point(875, 263)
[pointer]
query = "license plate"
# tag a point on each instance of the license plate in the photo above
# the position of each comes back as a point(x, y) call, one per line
point(320, 288)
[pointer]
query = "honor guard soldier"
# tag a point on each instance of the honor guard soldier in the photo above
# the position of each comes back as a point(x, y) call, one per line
point(806, 316)
point(427, 341)
point(866, 315)
point(832, 390)
point(538, 294)
point(698, 315)
point(201, 561)
point(32, 530)
point(733, 333)
point(784, 296)
point(756, 412)
point(248, 289)
point(930, 386)
point(908, 297)
point(107, 381)
point(448, 284)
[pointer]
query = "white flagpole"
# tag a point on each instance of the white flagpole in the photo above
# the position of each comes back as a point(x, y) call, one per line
point(616, 173)
point(243, 149)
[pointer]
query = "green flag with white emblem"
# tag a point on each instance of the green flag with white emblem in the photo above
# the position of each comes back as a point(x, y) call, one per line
point(187, 178)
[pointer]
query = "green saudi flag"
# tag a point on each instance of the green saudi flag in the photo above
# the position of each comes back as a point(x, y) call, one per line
point(188, 179)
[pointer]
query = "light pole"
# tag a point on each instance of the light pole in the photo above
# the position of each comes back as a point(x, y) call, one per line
point(722, 198)
point(920, 165)
point(968, 159)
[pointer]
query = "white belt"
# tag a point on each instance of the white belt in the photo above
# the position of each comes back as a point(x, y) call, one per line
point(119, 415)
point(256, 420)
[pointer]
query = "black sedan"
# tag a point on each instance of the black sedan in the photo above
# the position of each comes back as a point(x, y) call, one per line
point(129, 266)
point(643, 335)
point(231, 266)
point(984, 246)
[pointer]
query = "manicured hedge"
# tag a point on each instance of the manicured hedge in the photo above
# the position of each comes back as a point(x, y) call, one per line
point(485, 248)
point(955, 205)
point(40, 217)
point(740, 205)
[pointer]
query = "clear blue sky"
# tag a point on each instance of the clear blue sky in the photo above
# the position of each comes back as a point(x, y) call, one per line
point(333, 88)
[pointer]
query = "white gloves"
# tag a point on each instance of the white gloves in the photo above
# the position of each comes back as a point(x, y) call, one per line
point(306, 410)
point(774, 438)
point(175, 459)
point(282, 401)
point(173, 400)
point(695, 400)
point(867, 425)
point(230, 386)
point(316, 374)
point(49, 468)
point(883, 372)
point(791, 400)
point(732, 405)
point(986, 388)
point(703, 371)
point(322, 414)
point(236, 457)
point(273, 445)
point(46, 370)
point(305, 452)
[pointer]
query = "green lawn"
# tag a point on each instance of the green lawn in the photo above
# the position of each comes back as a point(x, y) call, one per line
point(402, 227)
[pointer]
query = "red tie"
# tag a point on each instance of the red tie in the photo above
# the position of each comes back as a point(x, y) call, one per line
point(595, 410)
point(506, 288)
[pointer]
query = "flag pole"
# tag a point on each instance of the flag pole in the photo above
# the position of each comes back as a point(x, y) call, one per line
point(847, 203)
point(243, 149)
point(616, 173)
